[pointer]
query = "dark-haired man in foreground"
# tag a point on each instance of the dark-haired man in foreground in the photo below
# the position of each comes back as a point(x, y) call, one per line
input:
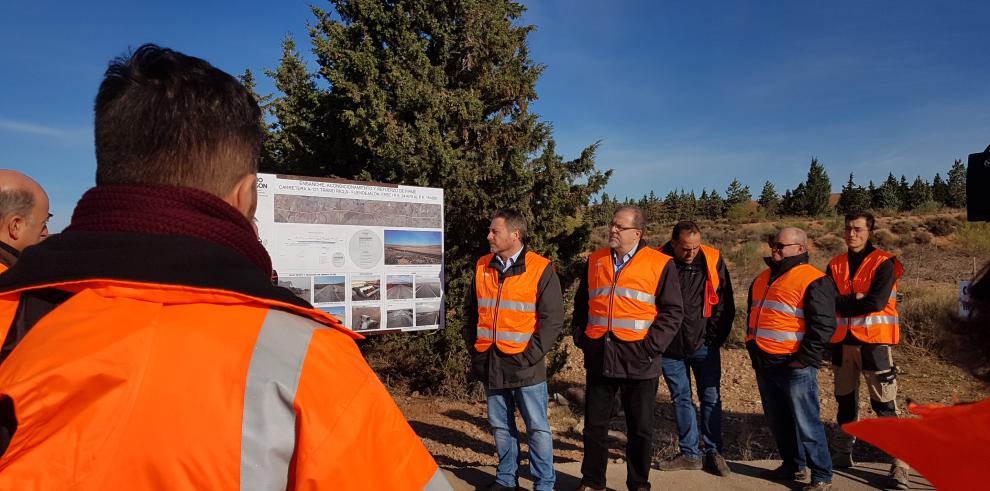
point(154, 352)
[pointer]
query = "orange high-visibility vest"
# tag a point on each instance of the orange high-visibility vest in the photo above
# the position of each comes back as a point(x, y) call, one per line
point(134, 385)
point(711, 285)
point(877, 327)
point(507, 310)
point(776, 319)
point(623, 303)
point(950, 446)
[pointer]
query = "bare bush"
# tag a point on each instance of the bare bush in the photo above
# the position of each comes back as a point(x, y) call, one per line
point(922, 237)
point(830, 244)
point(902, 227)
point(941, 226)
point(885, 239)
point(922, 312)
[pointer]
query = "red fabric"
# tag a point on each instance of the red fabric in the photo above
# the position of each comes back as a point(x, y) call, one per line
point(950, 446)
point(169, 210)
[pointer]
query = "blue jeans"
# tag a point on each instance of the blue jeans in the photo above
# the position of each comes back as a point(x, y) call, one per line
point(532, 403)
point(707, 367)
point(791, 406)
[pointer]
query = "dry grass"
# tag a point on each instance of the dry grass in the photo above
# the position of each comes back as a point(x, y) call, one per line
point(974, 236)
point(923, 309)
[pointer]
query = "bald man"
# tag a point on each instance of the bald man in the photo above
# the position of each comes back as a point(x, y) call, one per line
point(23, 215)
point(791, 320)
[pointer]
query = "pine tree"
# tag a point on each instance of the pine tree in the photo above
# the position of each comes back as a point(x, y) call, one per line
point(888, 195)
point(817, 190)
point(436, 94)
point(956, 185)
point(904, 194)
point(853, 198)
point(715, 208)
point(673, 208)
point(940, 190)
point(919, 194)
point(690, 202)
point(737, 193)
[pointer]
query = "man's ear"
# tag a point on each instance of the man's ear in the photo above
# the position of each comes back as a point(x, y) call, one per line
point(15, 227)
point(244, 195)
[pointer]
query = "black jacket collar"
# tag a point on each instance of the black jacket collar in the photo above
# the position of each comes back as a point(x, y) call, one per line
point(518, 267)
point(142, 258)
point(785, 265)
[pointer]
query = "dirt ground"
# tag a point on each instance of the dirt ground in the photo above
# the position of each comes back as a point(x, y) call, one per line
point(458, 435)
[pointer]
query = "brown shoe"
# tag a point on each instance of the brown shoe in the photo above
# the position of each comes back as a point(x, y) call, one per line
point(784, 473)
point(716, 464)
point(897, 479)
point(818, 486)
point(680, 462)
point(585, 487)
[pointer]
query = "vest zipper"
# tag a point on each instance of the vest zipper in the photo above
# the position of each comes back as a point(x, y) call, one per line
point(498, 299)
point(611, 295)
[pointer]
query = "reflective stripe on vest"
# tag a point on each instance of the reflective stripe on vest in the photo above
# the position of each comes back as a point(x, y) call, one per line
point(881, 327)
point(780, 307)
point(623, 302)
point(776, 320)
point(507, 310)
point(268, 434)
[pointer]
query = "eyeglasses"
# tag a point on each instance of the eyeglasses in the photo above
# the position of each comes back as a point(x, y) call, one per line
point(779, 246)
point(620, 228)
point(858, 230)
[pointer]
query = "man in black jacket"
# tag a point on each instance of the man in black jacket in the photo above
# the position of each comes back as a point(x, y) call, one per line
point(627, 310)
point(791, 320)
point(514, 316)
point(709, 310)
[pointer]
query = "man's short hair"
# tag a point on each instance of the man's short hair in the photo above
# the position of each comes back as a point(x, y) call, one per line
point(18, 202)
point(639, 221)
point(165, 118)
point(870, 220)
point(684, 226)
point(514, 220)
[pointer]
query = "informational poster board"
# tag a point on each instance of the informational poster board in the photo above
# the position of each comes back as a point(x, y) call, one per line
point(371, 254)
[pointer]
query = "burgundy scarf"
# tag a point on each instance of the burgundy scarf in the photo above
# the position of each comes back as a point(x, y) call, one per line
point(168, 210)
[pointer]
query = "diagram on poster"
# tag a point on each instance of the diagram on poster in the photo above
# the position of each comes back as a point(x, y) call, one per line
point(369, 254)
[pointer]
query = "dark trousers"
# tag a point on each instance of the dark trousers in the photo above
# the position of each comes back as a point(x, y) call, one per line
point(638, 399)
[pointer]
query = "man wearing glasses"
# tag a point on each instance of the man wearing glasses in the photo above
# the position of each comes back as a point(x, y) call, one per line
point(23, 215)
point(791, 319)
point(866, 308)
point(626, 312)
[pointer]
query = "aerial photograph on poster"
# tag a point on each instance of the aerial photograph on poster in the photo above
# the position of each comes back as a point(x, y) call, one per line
point(366, 287)
point(338, 311)
point(399, 318)
point(346, 211)
point(398, 286)
point(403, 247)
point(302, 286)
point(366, 318)
point(428, 286)
point(328, 289)
point(428, 314)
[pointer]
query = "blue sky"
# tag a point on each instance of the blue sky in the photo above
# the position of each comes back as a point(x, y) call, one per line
point(681, 95)
point(412, 238)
